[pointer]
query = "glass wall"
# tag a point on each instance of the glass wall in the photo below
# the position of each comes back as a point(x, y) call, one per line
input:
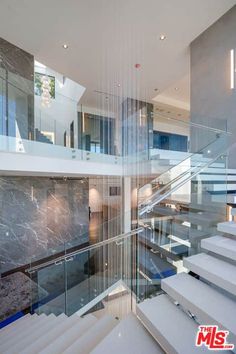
point(96, 133)
point(16, 92)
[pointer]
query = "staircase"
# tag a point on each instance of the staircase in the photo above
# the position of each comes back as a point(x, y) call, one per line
point(42, 138)
point(55, 335)
point(207, 298)
point(167, 323)
point(203, 292)
point(219, 183)
point(75, 335)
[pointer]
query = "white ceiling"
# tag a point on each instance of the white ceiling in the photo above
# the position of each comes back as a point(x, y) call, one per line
point(107, 37)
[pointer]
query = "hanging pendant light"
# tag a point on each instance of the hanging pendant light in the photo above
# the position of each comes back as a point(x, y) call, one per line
point(45, 97)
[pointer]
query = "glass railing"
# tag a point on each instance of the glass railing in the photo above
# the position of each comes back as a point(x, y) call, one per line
point(177, 217)
point(182, 172)
point(180, 207)
point(52, 244)
point(48, 136)
point(174, 141)
point(91, 235)
point(86, 279)
point(57, 123)
point(35, 148)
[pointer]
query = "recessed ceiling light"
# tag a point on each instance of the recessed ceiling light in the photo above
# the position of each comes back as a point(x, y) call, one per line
point(162, 37)
point(156, 89)
point(65, 46)
point(118, 85)
point(176, 88)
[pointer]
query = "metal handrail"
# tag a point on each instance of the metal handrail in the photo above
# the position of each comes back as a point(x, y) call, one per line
point(150, 203)
point(67, 257)
point(190, 123)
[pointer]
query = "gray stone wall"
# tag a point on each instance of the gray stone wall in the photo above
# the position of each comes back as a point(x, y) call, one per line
point(213, 103)
point(39, 214)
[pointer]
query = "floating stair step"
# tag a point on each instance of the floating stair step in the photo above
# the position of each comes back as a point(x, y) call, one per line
point(154, 247)
point(224, 171)
point(129, 336)
point(152, 265)
point(49, 322)
point(206, 205)
point(55, 332)
point(216, 177)
point(60, 344)
point(174, 330)
point(233, 211)
point(184, 232)
point(228, 227)
point(91, 338)
point(209, 305)
point(223, 187)
point(14, 328)
point(214, 270)
point(204, 218)
point(19, 322)
point(164, 162)
point(220, 245)
point(231, 198)
point(223, 198)
point(12, 332)
point(24, 330)
point(164, 211)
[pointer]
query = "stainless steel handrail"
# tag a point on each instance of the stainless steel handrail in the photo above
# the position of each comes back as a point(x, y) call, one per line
point(151, 203)
point(67, 257)
point(191, 124)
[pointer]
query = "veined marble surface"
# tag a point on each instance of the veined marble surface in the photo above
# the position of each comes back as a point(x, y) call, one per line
point(38, 215)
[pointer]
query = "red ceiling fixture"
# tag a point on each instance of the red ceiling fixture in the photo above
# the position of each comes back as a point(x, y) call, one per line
point(137, 66)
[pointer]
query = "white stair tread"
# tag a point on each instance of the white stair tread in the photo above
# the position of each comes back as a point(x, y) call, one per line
point(34, 334)
point(52, 334)
point(28, 325)
point(129, 336)
point(203, 218)
point(209, 305)
point(221, 245)
point(225, 171)
point(217, 177)
point(93, 336)
point(223, 187)
point(12, 326)
point(233, 211)
point(169, 325)
point(228, 227)
point(216, 271)
point(231, 198)
point(68, 337)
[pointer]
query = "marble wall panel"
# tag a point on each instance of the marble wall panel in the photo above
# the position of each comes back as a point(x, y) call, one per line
point(38, 215)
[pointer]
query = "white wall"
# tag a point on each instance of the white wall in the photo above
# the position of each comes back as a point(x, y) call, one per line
point(213, 102)
point(95, 196)
point(29, 164)
point(99, 193)
point(170, 126)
